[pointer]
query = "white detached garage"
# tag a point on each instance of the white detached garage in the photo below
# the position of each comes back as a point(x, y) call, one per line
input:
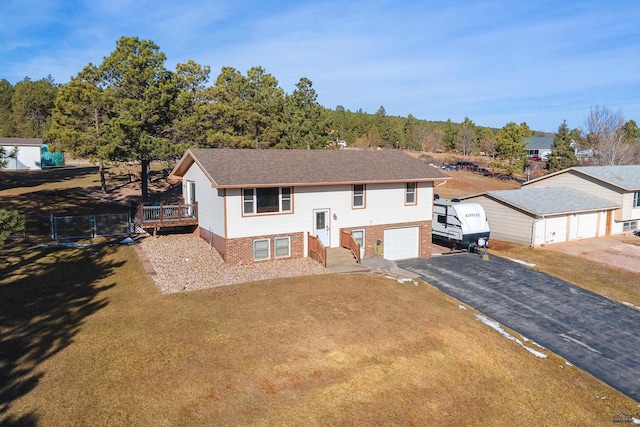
point(541, 216)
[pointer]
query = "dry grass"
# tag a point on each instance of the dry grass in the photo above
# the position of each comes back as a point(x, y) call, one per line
point(467, 183)
point(102, 347)
point(57, 191)
point(85, 339)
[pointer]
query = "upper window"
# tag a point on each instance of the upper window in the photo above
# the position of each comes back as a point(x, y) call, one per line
point(358, 195)
point(266, 200)
point(636, 199)
point(410, 194)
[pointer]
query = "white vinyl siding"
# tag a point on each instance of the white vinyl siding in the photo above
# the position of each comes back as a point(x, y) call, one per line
point(509, 224)
point(384, 205)
point(210, 201)
point(572, 179)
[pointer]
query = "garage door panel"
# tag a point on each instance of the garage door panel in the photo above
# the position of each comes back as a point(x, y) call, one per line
point(587, 225)
point(401, 243)
point(556, 230)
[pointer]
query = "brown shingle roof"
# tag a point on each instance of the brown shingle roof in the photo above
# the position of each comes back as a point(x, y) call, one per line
point(244, 167)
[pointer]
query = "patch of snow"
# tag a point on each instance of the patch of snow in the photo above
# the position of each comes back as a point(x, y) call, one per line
point(528, 264)
point(628, 304)
point(126, 241)
point(635, 420)
point(495, 325)
point(66, 245)
point(462, 307)
point(406, 279)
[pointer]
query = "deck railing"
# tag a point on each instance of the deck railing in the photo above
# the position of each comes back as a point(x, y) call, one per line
point(347, 241)
point(317, 250)
point(166, 215)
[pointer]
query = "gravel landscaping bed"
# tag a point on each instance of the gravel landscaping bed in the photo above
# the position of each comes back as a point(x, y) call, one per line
point(186, 263)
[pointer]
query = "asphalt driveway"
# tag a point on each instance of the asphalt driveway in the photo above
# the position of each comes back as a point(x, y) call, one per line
point(598, 335)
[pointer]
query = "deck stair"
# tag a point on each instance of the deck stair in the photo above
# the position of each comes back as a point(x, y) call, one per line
point(341, 260)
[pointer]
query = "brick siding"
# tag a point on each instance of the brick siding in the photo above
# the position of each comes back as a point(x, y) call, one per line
point(240, 251)
point(375, 233)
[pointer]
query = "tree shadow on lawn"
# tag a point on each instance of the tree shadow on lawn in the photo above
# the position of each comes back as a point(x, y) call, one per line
point(17, 179)
point(69, 201)
point(46, 293)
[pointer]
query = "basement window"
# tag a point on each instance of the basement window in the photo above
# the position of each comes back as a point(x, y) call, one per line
point(282, 246)
point(261, 249)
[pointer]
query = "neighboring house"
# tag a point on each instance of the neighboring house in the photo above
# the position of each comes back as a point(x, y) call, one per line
point(572, 204)
point(32, 154)
point(539, 146)
point(617, 184)
point(256, 205)
point(540, 216)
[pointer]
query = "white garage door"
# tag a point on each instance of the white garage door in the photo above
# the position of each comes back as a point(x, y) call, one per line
point(556, 230)
point(587, 225)
point(401, 243)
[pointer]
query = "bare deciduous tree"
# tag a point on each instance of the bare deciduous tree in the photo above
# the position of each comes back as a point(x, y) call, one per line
point(428, 139)
point(606, 136)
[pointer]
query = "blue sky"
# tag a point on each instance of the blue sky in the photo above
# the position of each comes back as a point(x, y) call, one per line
point(493, 61)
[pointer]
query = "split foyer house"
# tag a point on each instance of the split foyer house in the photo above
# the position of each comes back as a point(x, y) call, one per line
point(576, 203)
point(258, 205)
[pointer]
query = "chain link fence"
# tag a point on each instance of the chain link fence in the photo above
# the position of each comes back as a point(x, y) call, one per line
point(71, 227)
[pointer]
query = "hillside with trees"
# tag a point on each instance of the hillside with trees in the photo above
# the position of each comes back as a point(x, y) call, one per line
point(131, 108)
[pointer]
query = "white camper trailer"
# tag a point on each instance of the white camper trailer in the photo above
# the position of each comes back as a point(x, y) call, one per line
point(460, 224)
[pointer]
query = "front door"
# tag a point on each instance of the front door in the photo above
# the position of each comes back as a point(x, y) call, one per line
point(321, 226)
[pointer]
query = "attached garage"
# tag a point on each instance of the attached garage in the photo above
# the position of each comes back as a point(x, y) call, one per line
point(401, 243)
point(539, 216)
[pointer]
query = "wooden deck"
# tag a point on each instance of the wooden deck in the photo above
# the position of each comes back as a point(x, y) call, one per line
point(156, 217)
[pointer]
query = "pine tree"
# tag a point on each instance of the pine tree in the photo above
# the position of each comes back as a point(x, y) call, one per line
point(562, 154)
point(510, 146)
